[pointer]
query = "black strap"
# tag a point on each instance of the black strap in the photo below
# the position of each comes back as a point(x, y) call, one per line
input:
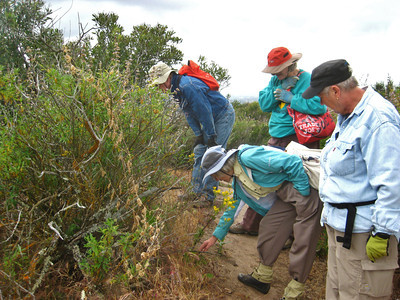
point(177, 91)
point(351, 215)
point(178, 81)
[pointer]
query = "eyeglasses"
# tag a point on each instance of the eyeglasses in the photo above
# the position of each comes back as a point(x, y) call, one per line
point(226, 173)
point(216, 177)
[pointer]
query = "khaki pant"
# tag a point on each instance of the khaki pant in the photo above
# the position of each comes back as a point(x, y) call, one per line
point(251, 219)
point(351, 275)
point(291, 212)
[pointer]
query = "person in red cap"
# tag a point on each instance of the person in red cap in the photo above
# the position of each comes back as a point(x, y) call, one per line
point(285, 89)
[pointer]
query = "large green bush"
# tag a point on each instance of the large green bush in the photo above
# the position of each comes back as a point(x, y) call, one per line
point(251, 125)
point(77, 149)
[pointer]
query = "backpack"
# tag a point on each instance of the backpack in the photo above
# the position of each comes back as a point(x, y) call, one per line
point(193, 69)
point(310, 158)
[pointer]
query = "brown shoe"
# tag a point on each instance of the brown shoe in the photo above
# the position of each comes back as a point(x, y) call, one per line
point(288, 243)
point(238, 229)
point(202, 202)
point(188, 197)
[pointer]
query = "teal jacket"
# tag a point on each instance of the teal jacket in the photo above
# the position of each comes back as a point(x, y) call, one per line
point(281, 123)
point(269, 168)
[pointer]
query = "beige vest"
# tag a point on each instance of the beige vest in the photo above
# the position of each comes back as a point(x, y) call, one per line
point(251, 187)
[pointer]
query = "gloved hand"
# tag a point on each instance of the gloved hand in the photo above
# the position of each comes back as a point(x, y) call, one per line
point(199, 140)
point(211, 142)
point(282, 95)
point(377, 246)
point(289, 82)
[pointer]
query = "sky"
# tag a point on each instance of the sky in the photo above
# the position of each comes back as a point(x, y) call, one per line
point(238, 35)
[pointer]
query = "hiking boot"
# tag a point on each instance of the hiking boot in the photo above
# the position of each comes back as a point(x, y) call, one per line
point(288, 243)
point(202, 202)
point(188, 197)
point(249, 280)
point(238, 229)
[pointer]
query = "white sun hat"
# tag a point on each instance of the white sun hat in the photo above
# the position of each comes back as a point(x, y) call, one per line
point(214, 159)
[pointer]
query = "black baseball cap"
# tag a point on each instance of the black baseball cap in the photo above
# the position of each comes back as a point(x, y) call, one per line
point(326, 74)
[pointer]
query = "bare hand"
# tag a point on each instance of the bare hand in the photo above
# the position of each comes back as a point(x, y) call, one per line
point(208, 243)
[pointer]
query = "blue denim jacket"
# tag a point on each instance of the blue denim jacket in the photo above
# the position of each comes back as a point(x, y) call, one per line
point(201, 106)
point(361, 162)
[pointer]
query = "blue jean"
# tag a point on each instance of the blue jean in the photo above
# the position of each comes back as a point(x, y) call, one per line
point(223, 127)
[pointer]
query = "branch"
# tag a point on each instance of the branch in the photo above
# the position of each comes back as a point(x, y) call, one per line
point(69, 206)
point(17, 284)
point(76, 253)
point(16, 225)
point(47, 263)
point(116, 215)
point(55, 228)
point(97, 140)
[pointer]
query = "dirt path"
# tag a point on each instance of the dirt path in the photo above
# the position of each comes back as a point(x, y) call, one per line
point(240, 256)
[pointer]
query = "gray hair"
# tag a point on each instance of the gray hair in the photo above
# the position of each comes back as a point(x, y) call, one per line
point(346, 85)
point(228, 165)
point(292, 67)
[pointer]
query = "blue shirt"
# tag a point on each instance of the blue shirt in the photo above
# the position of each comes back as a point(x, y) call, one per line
point(361, 162)
point(201, 106)
point(281, 123)
point(269, 168)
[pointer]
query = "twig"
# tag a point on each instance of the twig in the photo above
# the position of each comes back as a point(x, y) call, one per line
point(69, 206)
point(98, 145)
point(117, 215)
point(56, 230)
point(47, 172)
point(47, 263)
point(76, 253)
point(202, 231)
point(17, 284)
point(40, 202)
point(15, 228)
point(204, 252)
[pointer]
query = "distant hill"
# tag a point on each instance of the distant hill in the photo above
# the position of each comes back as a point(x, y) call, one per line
point(243, 99)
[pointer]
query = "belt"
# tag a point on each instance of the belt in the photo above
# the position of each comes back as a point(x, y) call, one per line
point(351, 215)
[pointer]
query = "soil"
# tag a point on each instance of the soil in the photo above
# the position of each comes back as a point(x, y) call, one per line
point(240, 256)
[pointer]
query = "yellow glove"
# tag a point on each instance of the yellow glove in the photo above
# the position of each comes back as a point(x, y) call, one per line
point(377, 246)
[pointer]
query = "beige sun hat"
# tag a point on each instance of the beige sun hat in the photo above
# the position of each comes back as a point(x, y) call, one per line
point(214, 159)
point(280, 58)
point(159, 73)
